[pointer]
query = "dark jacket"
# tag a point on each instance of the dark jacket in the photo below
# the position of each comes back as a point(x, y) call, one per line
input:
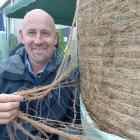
point(57, 105)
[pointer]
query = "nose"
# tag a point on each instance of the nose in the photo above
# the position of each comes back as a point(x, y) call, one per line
point(38, 39)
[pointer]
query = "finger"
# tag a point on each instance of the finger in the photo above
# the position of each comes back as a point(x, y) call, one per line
point(10, 98)
point(6, 121)
point(8, 115)
point(9, 106)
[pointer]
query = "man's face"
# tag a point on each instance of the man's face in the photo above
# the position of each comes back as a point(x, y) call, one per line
point(39, 38)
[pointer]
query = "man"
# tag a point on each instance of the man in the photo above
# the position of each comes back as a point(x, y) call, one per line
point(35, 64)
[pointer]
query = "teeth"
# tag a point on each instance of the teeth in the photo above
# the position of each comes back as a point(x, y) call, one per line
point(39, 49)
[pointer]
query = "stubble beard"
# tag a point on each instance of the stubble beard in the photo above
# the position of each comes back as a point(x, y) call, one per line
point(40, 58)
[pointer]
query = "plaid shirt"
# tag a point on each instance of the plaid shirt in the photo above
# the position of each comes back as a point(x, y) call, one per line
point(27, 64)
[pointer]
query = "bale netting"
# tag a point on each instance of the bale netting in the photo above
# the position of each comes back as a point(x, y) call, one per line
point(45, 126)
point(109, 55)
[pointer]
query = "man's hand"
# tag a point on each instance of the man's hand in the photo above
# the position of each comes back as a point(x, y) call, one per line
point(9, 105)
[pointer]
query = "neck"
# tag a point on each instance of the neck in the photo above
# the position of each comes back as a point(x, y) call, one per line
point(36, 67)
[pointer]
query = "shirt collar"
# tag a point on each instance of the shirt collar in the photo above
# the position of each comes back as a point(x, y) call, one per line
point(27, 64)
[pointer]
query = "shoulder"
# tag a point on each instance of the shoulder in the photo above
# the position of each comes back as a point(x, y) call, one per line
point(4, 63)
point(12, 63)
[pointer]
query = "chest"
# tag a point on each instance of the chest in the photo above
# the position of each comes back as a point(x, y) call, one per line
point(10, 83)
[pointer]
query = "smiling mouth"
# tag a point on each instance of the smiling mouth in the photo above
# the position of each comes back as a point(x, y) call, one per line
point(38, 50)
point(39, 47)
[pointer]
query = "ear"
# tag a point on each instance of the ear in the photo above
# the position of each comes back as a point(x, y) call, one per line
point(56, 37)
point(21, 35)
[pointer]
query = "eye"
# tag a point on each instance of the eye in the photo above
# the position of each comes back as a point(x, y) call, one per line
point(31, 32)
point(45, 33)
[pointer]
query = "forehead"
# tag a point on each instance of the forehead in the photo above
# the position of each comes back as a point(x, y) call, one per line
point(38, 21)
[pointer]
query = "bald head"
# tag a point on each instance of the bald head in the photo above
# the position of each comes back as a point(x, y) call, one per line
point(38, 15)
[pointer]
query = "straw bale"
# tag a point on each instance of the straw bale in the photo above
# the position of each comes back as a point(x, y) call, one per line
point(109, 61)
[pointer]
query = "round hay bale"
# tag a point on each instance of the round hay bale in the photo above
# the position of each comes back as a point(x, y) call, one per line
point(109, 55)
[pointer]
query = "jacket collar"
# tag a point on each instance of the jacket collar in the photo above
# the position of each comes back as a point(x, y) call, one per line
point(15, 63)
